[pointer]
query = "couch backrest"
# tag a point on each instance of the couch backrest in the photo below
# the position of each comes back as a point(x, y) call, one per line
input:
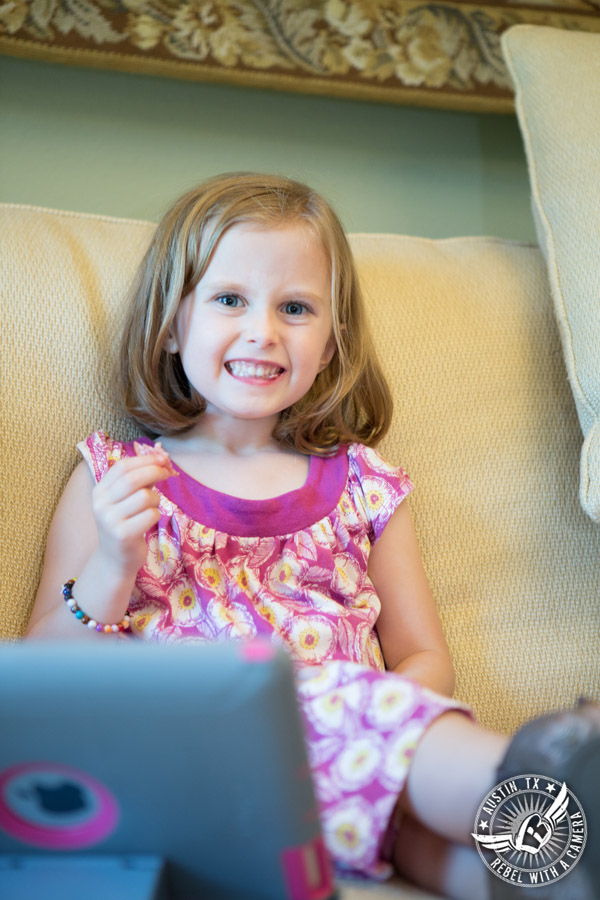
point(484, 423)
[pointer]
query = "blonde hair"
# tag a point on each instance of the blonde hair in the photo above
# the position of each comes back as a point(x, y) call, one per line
point(348, 401)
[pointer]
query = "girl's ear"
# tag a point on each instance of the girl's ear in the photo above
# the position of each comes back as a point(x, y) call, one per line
point(171, 345)
point(330, 348)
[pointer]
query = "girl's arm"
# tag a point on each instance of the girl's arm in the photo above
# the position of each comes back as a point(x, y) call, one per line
point(408, 626)
point(97, 535)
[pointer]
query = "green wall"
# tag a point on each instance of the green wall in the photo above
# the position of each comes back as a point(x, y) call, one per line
point(126, 145)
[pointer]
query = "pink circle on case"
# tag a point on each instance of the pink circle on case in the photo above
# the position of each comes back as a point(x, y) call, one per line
point(69, 837)
point(258, 650)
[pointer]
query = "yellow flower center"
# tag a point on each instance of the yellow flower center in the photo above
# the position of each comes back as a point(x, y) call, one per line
point(267, 614)
point(212, 576)
point(284, 573)
point(164, 551)
point(374, 499)
point(333, 702)
point(347, 834)
point(309, 638)
point(187, 599)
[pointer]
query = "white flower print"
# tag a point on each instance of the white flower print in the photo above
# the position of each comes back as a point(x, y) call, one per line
point(199, 537)
point(316, 680)
point(282, 577)
point(328, 712)
point(231, 620)
point(276, 613)
point(392, 701)
point(346, 577)
point(357, 764)
point(239, 579)
point(379, 498)
point(207, 572)
point(163, 559)
point(339, 709)
point(347, 520)
point(184, 604)
point(349, 830)
point(398, 755)
point(322, 533)
point(311, 638)
point(140, 621)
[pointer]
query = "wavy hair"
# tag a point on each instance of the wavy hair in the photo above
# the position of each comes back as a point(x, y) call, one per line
point(348, 401)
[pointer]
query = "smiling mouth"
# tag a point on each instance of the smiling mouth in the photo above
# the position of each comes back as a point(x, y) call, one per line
point(251, 370)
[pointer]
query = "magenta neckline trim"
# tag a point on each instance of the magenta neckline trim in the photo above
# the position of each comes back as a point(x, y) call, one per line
point(285, 514)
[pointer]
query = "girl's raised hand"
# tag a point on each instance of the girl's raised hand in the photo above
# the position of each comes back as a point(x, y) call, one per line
point(125, 506)
point(97, 536)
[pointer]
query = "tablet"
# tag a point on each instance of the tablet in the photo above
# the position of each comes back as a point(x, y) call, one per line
point(134, 755)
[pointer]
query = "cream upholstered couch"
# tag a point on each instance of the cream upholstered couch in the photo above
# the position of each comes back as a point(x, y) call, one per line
point(485, 423)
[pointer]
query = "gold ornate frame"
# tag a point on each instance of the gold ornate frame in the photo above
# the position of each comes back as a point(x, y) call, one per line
point(441, 54)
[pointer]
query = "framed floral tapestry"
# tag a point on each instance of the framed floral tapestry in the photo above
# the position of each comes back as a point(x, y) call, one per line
point(441, 54)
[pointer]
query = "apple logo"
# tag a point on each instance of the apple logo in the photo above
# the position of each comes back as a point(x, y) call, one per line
point(66, 797)
point(50, 799)
point(55, 806)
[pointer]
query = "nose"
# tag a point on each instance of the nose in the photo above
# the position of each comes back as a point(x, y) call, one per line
point(261, 327)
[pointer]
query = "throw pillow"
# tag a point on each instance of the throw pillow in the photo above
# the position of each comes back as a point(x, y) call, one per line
point(557, 80)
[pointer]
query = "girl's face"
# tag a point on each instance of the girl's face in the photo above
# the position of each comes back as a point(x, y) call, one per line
point(257, 329)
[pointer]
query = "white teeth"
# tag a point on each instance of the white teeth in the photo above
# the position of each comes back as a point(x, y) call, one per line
point(249, 370)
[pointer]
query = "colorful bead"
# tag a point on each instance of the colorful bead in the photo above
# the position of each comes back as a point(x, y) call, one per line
point(85, 619)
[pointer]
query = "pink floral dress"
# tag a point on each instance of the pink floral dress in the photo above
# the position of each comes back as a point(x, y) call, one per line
point(293, 569)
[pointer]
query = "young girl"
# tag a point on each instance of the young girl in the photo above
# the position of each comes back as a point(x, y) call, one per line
point(253, 504)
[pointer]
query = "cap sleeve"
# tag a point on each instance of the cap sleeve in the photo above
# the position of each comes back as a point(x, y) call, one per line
point(100, 453)
point(378, 487)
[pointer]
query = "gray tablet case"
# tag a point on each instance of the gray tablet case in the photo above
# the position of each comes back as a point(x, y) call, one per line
point(149, 771)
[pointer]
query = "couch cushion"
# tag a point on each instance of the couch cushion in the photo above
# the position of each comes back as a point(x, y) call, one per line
point(63, 277)
point(557, 79)
point(484, 423)
point(486, 427)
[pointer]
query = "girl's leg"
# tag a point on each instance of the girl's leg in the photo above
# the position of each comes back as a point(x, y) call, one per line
point(455, 765)
point(453, 768)
point(433, 863)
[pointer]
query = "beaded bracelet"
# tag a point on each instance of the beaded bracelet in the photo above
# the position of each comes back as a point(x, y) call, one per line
point(123, 625)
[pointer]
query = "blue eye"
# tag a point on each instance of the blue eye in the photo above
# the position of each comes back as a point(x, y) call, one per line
point(293, 308)
point(229, 300)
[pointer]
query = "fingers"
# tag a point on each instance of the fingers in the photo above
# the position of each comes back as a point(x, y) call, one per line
point(134, 473)
point(124, 529)
point(127, 493)
point(125, 506)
